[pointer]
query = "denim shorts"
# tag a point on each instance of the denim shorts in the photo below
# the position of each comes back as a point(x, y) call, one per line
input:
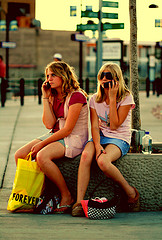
point(45, 136)
point(121, 144)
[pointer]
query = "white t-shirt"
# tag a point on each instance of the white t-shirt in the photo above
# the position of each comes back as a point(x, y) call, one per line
point(102, 110)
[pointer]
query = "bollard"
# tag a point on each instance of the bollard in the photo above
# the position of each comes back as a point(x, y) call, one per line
point(39, 90)
point(153, 87)
point(147, 87)
point(87, 85)
point(3, 92)
point(81, 82)
point(158, 86)
point(22, 91)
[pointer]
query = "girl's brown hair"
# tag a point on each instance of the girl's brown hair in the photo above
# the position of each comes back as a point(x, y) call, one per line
point(68, 76)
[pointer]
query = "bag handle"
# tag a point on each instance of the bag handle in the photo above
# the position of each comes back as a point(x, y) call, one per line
point(29, 157)
point(113, 200)
point(91, 194)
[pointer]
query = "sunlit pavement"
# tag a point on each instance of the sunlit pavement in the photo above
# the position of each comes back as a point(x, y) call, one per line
point(18, 125)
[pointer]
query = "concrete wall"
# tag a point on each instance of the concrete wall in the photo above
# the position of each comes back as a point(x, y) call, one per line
point(36, 49)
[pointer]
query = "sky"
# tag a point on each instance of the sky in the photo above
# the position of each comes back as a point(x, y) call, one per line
point(55, 15)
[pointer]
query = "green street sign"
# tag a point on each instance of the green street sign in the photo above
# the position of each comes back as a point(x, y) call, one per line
point(107, 26)
point(90, 14)
point(110, 15)
point(110, 4)
point(84, 27)
point(94, 27)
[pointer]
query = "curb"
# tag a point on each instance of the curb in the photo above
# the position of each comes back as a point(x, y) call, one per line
point(9, 148)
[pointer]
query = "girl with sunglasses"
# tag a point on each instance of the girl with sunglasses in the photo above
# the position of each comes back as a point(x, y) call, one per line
point(110, 113)
point(65, 113)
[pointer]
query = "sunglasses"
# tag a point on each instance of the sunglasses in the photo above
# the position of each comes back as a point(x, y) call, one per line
point(108, 75)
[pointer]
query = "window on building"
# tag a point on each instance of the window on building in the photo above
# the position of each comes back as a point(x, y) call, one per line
point(20, 9)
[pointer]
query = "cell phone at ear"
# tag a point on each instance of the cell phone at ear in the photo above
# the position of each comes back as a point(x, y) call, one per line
point(107, 84)
point(48, 85)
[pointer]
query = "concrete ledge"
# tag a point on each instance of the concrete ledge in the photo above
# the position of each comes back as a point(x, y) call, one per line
point(142, 171)
point(145, 173)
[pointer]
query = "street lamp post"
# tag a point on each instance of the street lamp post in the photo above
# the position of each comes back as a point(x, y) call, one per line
point(158, 45)
point(99, 46)
point(81, 56)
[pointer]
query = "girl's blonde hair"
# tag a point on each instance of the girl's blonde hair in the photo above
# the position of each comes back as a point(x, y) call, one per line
point(117, 75)
point(68, 76)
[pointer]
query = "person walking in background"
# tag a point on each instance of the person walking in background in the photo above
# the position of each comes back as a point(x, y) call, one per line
point(3, 81)
point(2, 68)
point(65, 112)
point(110, 112)
point(57, 57)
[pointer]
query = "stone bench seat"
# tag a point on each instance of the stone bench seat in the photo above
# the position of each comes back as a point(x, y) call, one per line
point(140, 170)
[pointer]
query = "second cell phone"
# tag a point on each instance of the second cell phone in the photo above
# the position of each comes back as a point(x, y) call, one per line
point(48, 85)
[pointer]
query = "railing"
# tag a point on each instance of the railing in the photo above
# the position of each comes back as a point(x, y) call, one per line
point(24, 87)
point(20, 88)
point(32, 86)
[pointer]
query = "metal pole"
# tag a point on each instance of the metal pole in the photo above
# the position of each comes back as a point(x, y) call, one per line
point(99, 44)
point(81, 56)
point(81, 63)
point(7, 49)
point(22, 91)
point(39, 90)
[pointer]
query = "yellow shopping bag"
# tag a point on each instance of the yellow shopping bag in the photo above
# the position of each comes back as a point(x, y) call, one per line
point(27, 186)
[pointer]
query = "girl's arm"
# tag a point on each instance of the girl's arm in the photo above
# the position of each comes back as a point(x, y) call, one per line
point(117, 116)
point(95, 131)
point(73, 115)
point(48, 117)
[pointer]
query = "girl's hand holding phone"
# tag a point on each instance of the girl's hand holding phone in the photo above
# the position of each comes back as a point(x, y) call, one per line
point(46, 91)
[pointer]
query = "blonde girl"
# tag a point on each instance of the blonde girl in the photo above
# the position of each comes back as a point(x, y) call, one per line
point(110, 112)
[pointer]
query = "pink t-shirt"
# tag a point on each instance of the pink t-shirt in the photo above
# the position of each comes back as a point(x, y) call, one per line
point(58, 107)
point(102, 109)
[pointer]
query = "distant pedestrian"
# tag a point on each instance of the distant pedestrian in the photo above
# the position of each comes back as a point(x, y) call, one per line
point(2, 68)
point(57, 57)
point(65, 113)
point(3, 82)
point(110, 113)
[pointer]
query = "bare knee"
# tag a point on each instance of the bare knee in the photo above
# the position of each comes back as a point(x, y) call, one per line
point(103, 164)
point(18, 154)
point(86, 158)
point(41, 158)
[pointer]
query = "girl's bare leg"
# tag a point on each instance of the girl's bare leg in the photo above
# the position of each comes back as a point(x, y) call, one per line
point(84, 170)
point(23, 151)
point(105, 164)
point(44, 158)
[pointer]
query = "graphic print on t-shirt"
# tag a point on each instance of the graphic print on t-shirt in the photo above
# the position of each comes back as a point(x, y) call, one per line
point(105, 121)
